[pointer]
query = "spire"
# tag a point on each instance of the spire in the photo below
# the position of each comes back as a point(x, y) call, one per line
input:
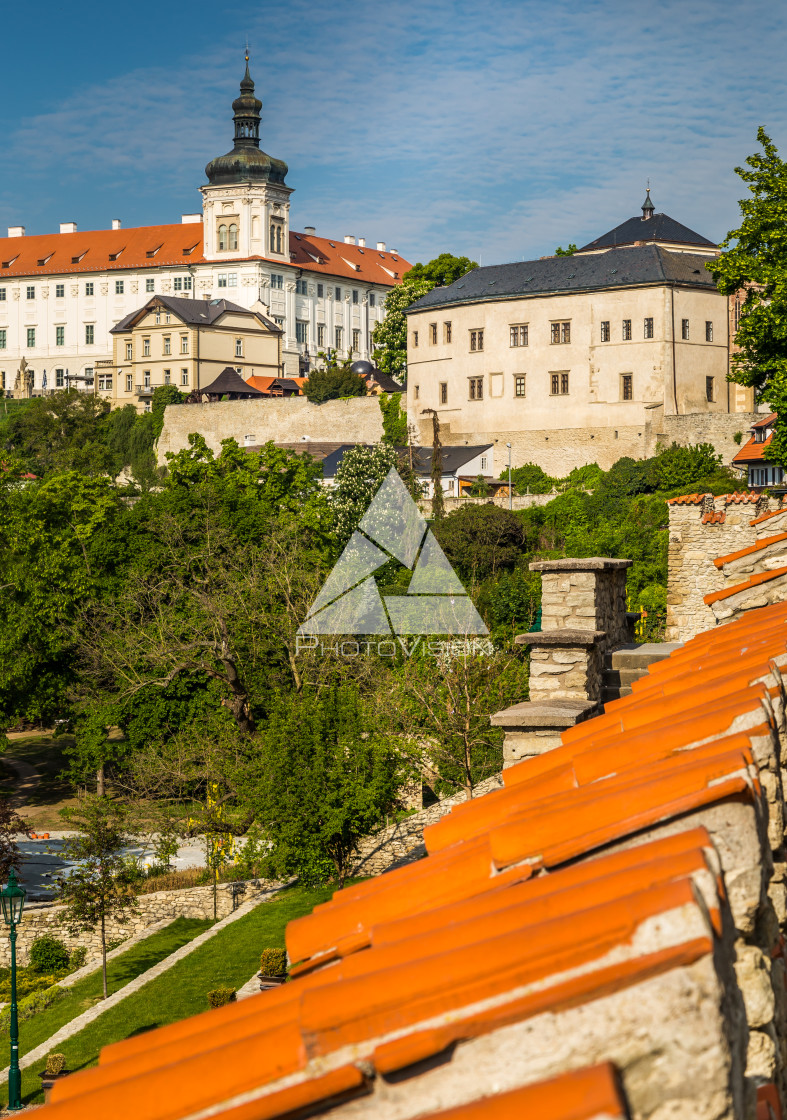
point(246, 109)
point(647, 206)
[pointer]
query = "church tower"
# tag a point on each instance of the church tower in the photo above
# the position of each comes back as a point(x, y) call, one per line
point(246, 203)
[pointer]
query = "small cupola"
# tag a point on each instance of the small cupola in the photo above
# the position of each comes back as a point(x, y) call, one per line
point(648, 208)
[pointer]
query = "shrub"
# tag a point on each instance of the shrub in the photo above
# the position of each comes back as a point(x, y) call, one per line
point(738, 437)
point(273, 962)
point(220, 996)
point(529, 478)
point(55, 1064)
point(48, 954)
point(30, 1006)
point(76, 958)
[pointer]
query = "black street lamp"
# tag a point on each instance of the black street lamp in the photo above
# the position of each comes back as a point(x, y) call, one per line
point(12, 900)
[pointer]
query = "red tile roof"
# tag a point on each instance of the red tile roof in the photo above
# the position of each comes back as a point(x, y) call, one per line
point(766, 516)
point(508, 916)
point(753, 452)
point(688, 500)
point(714, 518)
point(102, 250)
point(766, 542)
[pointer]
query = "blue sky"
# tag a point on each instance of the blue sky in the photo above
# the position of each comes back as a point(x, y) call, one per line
point(497, 130)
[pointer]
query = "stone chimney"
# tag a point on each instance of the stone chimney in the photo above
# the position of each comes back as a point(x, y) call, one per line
point(362, 242)
point(309, 230)
point(68, 227)
point(349, 239)
point(380, 246)
point(116, 223)
point(16, 231)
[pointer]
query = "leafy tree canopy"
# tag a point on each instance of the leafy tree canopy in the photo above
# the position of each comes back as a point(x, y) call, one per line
point(754, 263)
point(442, 271)
point(569, 252)
point(334, 379)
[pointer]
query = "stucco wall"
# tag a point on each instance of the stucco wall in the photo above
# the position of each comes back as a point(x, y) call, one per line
point(283, 420)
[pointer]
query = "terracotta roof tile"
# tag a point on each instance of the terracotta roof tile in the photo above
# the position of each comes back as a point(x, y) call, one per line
point(688, 500)
point(752, 451)
point(741, 498)
point(752, 581)
point(714, 518)
point(765, 516)
point(766, 542)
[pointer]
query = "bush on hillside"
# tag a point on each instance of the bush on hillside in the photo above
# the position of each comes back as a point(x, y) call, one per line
point(48, 954)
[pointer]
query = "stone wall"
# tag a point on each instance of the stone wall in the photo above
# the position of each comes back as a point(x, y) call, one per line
point(194, 902)
point(520, 501)
point(702, 528)
point(402, 843)
point(566, 671)
point(558, 450)
point(283, 420)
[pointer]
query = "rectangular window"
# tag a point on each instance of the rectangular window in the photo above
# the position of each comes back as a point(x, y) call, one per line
point(186, 283)
point(150, 285)
point(446, 332)
point(372, 299)
point(184, 344)
point(708, 331)
point(31, 337)
point(415, 339)
point(648, 328)
point(88, 375)
point(2, 339)
point(2, 295)
point(684, 329)
point(433, 334)
point(90, 334)
point(627, 387)
point(223, 280)
point(238, 347)
point(518, 335)
point(558, 384)
point(605, 330)
point(119, 289)
point(167, 377)
point(476, 340)
point(356, 342)
point(321, 334)
point(710, 389)
point(31, 292)
point(443, 392)
point(627, 330)
point(232, 279)
point(338, 338)
point(416, 391)
point(484, 463)
point(184, 377)
point(277, 280)
point(129, 382)
point(158, 317)
point(320, 291)
point(89, 288)
point(476, 388)
point(60, 336)
point(167, 344)
point(146, 378)
point(60, 378)
point(301, 331)
point(561, 332)
point(519, 385)
point(301, 288)
point(60, 291)
point(145, 347)
point(278, 320)
point(129, 351)
point(337, 293)
point(564, 383)
point(177, 284)
point(355, 295)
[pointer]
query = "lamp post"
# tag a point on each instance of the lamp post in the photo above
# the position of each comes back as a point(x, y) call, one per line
point(510, 492)
point(12, 900)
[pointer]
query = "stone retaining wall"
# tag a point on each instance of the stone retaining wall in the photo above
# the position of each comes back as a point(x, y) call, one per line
point(193, 902)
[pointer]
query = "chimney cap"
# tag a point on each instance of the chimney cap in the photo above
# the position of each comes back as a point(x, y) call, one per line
point(349, 239)
point(380, 246)
point(309, 229)
point(16, 231)
point(68, 227)
point(190, 219)
point(116, 223)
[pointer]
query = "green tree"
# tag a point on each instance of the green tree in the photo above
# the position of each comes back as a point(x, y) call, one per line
point(442, 271)
point(480, 488)
point(99, 887)
point(569, 252)
point(754, 261)
point(328, 780)
point(63, 431)
point(529, 479)
point(358, 479)
point(394, 419)
point(163, 395)
point(11, 827)
point(334, 379)
point(481, 541)
point(390, 336)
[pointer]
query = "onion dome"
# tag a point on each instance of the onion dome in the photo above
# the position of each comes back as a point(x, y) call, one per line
point(362, 368)
point(246, 163)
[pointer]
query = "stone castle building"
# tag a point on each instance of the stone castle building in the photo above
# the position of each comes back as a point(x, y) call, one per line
point(62, 293)
point(580, 358)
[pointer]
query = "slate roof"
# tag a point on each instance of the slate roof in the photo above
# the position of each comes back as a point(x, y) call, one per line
point(194, 312)
point(230, 381)
point(661, 227)
point(619, 268)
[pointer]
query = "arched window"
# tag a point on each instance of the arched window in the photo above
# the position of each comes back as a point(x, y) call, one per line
point(278, 239)
point(222, 237)
point(273, 238)
point(233, 236)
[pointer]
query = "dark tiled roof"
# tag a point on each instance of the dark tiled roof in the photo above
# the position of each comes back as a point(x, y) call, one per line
point(197, 312)
point(230, 381)
point(661, 227)
point(618, 268)
point(385, 382)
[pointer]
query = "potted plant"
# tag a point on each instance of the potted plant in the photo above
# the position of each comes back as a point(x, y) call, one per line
point(55, 1069)
point(273, 968)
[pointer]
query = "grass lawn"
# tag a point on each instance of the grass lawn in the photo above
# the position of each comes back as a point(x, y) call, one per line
point(230, 958)
point(127, 966)
point(42, 750)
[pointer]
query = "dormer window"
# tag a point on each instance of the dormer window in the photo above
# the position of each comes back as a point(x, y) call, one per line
point(152, 252)
point(114, 256)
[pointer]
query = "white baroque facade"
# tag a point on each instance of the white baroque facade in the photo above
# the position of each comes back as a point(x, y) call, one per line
point(61, 294)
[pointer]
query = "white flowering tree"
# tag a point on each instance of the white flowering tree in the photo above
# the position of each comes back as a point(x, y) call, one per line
point(358, 479)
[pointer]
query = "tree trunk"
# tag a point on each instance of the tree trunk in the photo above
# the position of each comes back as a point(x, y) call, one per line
point(100, 786)
point(104, 955)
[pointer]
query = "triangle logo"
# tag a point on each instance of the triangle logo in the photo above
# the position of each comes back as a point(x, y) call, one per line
point(349, 601)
